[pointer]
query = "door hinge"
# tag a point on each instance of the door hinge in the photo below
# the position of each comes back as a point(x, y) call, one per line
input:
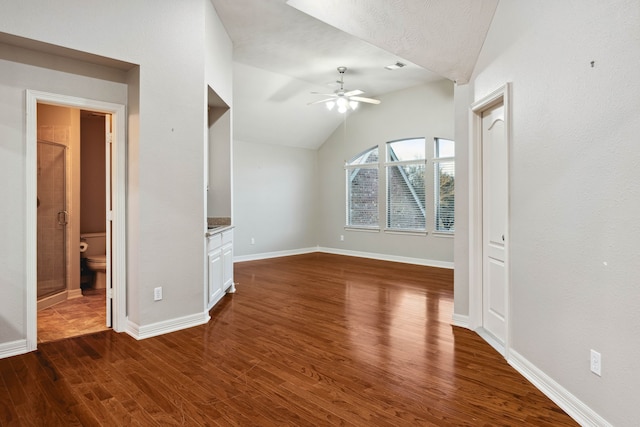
point(109, 293)
point(109, 215)
point(109, 138)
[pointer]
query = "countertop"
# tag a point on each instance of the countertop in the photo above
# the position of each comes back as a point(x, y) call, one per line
point(217, 229)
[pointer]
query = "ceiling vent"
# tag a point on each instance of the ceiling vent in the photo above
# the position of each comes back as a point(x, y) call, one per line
point(395, 66)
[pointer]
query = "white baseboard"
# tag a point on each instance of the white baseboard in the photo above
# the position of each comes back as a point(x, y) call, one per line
point(384, 257)
point(460, 320)
point(166, 326)
point(13, 348)
point(370, 255)
point(277, 254)
point(492, 341)
point(569, 403)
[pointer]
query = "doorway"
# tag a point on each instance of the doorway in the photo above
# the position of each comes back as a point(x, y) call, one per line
point(113, 178)
point(71, 159)
point(489, 214)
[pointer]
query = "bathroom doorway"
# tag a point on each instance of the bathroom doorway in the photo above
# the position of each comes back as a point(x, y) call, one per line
point(72, 177)
point(74, 306)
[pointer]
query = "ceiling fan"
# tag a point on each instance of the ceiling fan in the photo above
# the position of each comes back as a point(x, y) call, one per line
point(343, 100)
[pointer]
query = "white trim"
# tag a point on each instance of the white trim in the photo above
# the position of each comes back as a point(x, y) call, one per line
point(405, 232)
point(277, 254)
point(394, 258)
point(375, 229)
point(569, 403)
point(492, 341)
point(370, 255)
point(460, 320)
point(500, 95)
point(119, 207)
point(13, 348)
point(166, 326)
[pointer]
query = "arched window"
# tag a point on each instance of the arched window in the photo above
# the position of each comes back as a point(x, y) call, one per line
point(411, 172)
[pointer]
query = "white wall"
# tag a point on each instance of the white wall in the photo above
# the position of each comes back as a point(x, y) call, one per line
point(575, 197)
point(462, 100)
point(276, 199)
point(166, 146)
point(425, 111)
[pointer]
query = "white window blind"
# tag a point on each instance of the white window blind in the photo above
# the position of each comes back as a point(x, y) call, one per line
point(445, 195)
point(406, 185)
point(362, 189)
point(406, 197)
point(444, 185)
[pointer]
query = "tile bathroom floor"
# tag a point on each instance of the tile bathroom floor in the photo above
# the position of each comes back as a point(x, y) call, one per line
point(73, 317)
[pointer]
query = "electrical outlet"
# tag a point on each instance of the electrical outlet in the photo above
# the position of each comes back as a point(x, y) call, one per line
point(253, 241)
point(341, 238)
point(157, 293)
point(596, 363)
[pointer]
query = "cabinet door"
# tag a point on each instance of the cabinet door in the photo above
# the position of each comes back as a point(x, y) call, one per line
point(227, 266)
point(215, 276)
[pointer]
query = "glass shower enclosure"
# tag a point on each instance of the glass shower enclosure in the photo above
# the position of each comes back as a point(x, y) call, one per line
point(52, 219)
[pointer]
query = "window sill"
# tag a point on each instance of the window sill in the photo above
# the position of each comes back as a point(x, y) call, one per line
point(406, 232)
point(449, 234)
point(364, 229)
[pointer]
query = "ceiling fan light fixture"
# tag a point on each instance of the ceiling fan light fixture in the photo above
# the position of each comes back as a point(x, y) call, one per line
point(344, 100)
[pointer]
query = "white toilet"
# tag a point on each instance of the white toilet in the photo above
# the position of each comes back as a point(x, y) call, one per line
point(95, 253)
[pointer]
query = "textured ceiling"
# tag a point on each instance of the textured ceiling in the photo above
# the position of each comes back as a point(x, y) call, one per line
point(281, 54)
point(444, 36)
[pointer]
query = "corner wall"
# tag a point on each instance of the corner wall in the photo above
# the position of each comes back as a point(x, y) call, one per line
point(276, 200)
point(422, 111)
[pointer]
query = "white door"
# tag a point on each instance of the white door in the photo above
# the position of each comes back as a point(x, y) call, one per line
point(494, 219)
point(108, 166)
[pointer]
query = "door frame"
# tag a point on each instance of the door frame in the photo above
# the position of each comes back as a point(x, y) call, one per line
point(118, 186)
point(502, 95)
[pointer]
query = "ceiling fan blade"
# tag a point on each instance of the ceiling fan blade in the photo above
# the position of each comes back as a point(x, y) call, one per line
point(354, 92)
point(325, 94)
point(367, 100)
point(321, 101)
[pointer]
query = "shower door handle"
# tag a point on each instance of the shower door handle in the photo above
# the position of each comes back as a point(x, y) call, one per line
point(63, 218)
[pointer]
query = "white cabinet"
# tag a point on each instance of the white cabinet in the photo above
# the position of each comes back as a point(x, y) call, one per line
point(220, 260)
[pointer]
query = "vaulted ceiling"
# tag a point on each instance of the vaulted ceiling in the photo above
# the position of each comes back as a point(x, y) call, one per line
point(283, 50)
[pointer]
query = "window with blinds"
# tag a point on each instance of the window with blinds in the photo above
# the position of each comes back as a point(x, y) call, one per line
point(444, 185)
point(405, 171)
point(362, 189)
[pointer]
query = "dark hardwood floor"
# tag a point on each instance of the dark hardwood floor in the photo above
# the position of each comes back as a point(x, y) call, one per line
point(308, 340)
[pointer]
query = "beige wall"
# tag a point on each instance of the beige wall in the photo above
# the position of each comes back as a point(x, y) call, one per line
point(166, 92)
point(92, 174)
point(574, 196)
point(422, 111)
